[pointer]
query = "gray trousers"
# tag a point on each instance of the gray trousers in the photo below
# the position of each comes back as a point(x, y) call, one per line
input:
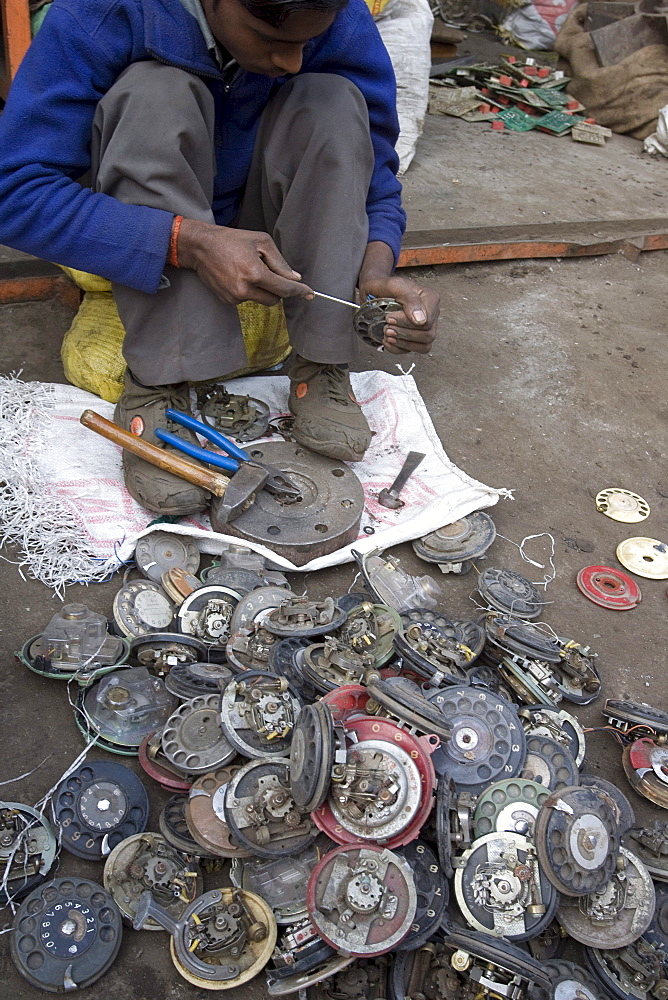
point(153, 144)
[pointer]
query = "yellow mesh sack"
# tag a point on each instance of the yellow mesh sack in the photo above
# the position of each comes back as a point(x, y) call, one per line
point(377, 6)
point(92, 348)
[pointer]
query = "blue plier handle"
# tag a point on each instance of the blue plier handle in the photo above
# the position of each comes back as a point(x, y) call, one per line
point(278, 481)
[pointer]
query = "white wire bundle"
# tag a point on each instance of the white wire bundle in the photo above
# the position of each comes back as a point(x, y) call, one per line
point(32, 518)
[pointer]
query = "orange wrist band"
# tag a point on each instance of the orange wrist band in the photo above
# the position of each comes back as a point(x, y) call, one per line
point(173, 253)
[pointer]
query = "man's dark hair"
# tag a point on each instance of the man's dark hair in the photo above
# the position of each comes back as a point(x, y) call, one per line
point(274, 12)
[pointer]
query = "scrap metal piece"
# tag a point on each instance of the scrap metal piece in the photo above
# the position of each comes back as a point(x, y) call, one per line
point(27, 850)
point(646, 557)
point(207, 614)
point(389, 497)
point(432, 890)
point(160, 551)
point(146, 861)
point(401, 698)
point(631, 715)
point(370, 629)
point(455, 546)
point(433, 653)
point(223, 939)
point(549, 763)
point(205, 814)
point(125, 707)
point(618, 913)
point(300, 616)
point(161, 651)
point(646, 766)
point(330, 664)
point(282, 883)
point(174, 828)
point(312, 756)
point(496, 968)
point(623, 809)
point(75, 644)
point(250, 648)
point(325, 519)
point(153, 761)
point(362, 899)
point(383, 789)
point(258, 714)
point(255, 606)
point(244, 418)
point(650, 844)
point(66, 934)
point(501, 889)
point(558, 725)
point(509, 592)
point(609, 587)
point(189, 680)
point(578, 837)
point(635, 972)
point(371, 318)
point(262, 813)
point(389, 584)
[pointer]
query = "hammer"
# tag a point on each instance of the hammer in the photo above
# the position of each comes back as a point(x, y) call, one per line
point(234, 495)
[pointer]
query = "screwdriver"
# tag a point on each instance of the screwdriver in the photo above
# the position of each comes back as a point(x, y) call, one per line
point(332, 298)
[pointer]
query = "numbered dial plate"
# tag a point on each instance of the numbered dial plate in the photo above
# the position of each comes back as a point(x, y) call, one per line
point(66, 935)
point(141, 607)
point(432, 890)
point(487, 742)
point(99, 805)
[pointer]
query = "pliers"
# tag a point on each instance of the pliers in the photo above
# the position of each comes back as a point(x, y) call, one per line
point(277, 482)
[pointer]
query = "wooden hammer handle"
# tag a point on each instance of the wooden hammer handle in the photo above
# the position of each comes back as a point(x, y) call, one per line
point(167, 460)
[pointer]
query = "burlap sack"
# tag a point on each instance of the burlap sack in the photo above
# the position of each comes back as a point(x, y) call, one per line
point(626, 97)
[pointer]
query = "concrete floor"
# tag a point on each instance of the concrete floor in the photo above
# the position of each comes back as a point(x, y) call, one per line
point(548, 377)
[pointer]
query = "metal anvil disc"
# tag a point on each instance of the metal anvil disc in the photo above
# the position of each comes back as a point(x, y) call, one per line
point(326, 519)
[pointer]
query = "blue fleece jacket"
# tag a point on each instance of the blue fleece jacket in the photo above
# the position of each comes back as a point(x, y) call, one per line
point(45, 130)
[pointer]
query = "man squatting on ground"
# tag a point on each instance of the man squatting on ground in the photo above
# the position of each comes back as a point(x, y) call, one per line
point(235, 149)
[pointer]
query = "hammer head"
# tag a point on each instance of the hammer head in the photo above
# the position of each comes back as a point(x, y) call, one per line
point(239, 494)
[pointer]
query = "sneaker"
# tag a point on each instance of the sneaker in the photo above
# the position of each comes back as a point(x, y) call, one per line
point(141, 409)
point(328, 418)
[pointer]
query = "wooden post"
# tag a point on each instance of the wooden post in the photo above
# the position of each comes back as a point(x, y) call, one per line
point(15, 39)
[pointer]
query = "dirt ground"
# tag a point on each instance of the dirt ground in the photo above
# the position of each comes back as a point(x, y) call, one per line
point(548, 378)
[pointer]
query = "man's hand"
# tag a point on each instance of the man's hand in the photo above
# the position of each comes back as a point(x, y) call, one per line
point(238, 264)
point(415, 327)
